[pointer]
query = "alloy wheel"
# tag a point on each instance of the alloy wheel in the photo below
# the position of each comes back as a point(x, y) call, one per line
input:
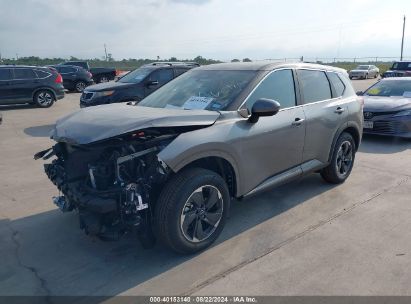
point(80, 86)
point(44, 99)
point(344, 158)
point(201, 213)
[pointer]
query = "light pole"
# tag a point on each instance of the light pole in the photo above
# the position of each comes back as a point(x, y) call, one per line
point(402, 41)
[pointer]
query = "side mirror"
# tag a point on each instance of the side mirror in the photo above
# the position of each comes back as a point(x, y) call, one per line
point(263, 107)
point(359, 93)
point(151, 83)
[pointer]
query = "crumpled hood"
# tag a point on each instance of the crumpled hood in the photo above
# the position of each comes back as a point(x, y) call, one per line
point(103, 122)
point(386, 104)
point(106, 86)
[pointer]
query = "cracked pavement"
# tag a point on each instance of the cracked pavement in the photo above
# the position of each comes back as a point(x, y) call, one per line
point(304, 238)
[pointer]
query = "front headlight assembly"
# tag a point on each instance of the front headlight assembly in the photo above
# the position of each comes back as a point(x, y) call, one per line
point(403, 113)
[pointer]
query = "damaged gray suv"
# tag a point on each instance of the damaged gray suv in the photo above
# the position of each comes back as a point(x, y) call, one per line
point(168, 167)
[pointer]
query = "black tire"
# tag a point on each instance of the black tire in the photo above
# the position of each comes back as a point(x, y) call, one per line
point(44, 98)
point(103, 78)
point(341, 164)
point(179, 197)
point(80, 86)
point(376, 75)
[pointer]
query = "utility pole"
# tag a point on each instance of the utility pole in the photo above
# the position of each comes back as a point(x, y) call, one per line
point(105, 51)
point(402, 41)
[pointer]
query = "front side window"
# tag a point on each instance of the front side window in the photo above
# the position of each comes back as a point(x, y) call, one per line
point(162, 76)
point(402, 66)
point(24, 74)
point(213, 90)
point(5, 74)
point(279, 86)
point(314, 85)
point(337, 84)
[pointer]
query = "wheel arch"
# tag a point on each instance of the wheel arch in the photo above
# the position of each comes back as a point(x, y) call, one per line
point(351, 129)
point(218, 164)
point(44, 88)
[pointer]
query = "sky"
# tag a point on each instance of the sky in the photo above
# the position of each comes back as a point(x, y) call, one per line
point(218, 29)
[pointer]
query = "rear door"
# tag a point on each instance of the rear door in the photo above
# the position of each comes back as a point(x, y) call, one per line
point(69, 76)
point(24, 83)
point(325, 112)
point(6, 91)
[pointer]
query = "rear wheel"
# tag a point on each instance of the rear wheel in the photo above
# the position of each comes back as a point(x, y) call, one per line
point(191, 210)
point(44, 99)
point(80, 86)
point(342, 160)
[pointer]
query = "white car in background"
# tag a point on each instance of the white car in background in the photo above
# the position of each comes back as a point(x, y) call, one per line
point(364, 72)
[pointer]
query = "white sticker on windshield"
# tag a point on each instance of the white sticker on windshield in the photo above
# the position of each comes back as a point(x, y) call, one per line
point(197, 103)
point(407, 94)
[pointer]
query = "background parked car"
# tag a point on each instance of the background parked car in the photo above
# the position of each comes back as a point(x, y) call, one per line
point(387, 107)
point(27, 84)
point(136, 85)
point(74, 78)
point(364, 72)
point(99, 74)
point(399, 69)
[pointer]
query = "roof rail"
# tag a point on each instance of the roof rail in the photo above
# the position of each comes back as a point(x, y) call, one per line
point(171, 63)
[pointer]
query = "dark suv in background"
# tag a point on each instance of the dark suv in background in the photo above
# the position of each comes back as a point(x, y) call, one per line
point(27, 84)
point(135, 85)
point(399, 69)
point(74, 78)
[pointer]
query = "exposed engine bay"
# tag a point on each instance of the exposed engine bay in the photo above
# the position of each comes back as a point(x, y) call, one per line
point(112, 184)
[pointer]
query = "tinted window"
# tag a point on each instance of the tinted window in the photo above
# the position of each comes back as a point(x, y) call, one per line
point(136, 75)
point(200, 89)
point(5, 74)
point(66, 70)
point(180, 71)
point(42, 74)
point(401, 66)
point(314, 85)
point(279, 86)
point(337, 83)
point(162, 76)
point(24, 74)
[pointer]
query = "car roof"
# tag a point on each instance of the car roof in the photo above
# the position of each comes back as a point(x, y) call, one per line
point(19, 66)
point(267, 66)
point(396, 79)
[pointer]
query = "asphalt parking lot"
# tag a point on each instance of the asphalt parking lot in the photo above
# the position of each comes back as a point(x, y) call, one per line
point(304, 238)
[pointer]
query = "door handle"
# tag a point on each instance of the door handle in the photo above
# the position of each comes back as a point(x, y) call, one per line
point(297, 122)
point(339, 110)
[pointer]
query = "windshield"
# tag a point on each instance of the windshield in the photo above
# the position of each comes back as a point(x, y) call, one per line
point(136, 75)
point(390, 88)
point(200, 89)
point(362, 67)
point(402, 66)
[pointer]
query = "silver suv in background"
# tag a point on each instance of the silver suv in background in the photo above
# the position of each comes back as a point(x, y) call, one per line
point(168, 167)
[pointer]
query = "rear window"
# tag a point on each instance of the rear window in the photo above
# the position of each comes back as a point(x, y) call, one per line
point(42, 74)
point(314, 85)
point(5, 74)
point(24, 74)
point(337, 84)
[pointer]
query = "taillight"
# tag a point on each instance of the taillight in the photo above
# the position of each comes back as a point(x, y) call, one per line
point(89, 74)
point(58, 79)
point(117, 72)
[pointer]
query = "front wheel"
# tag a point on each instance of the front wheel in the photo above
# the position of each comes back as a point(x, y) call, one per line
point(44, 99)
point(342, 160)
point(191, 210)
point(80, 86)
